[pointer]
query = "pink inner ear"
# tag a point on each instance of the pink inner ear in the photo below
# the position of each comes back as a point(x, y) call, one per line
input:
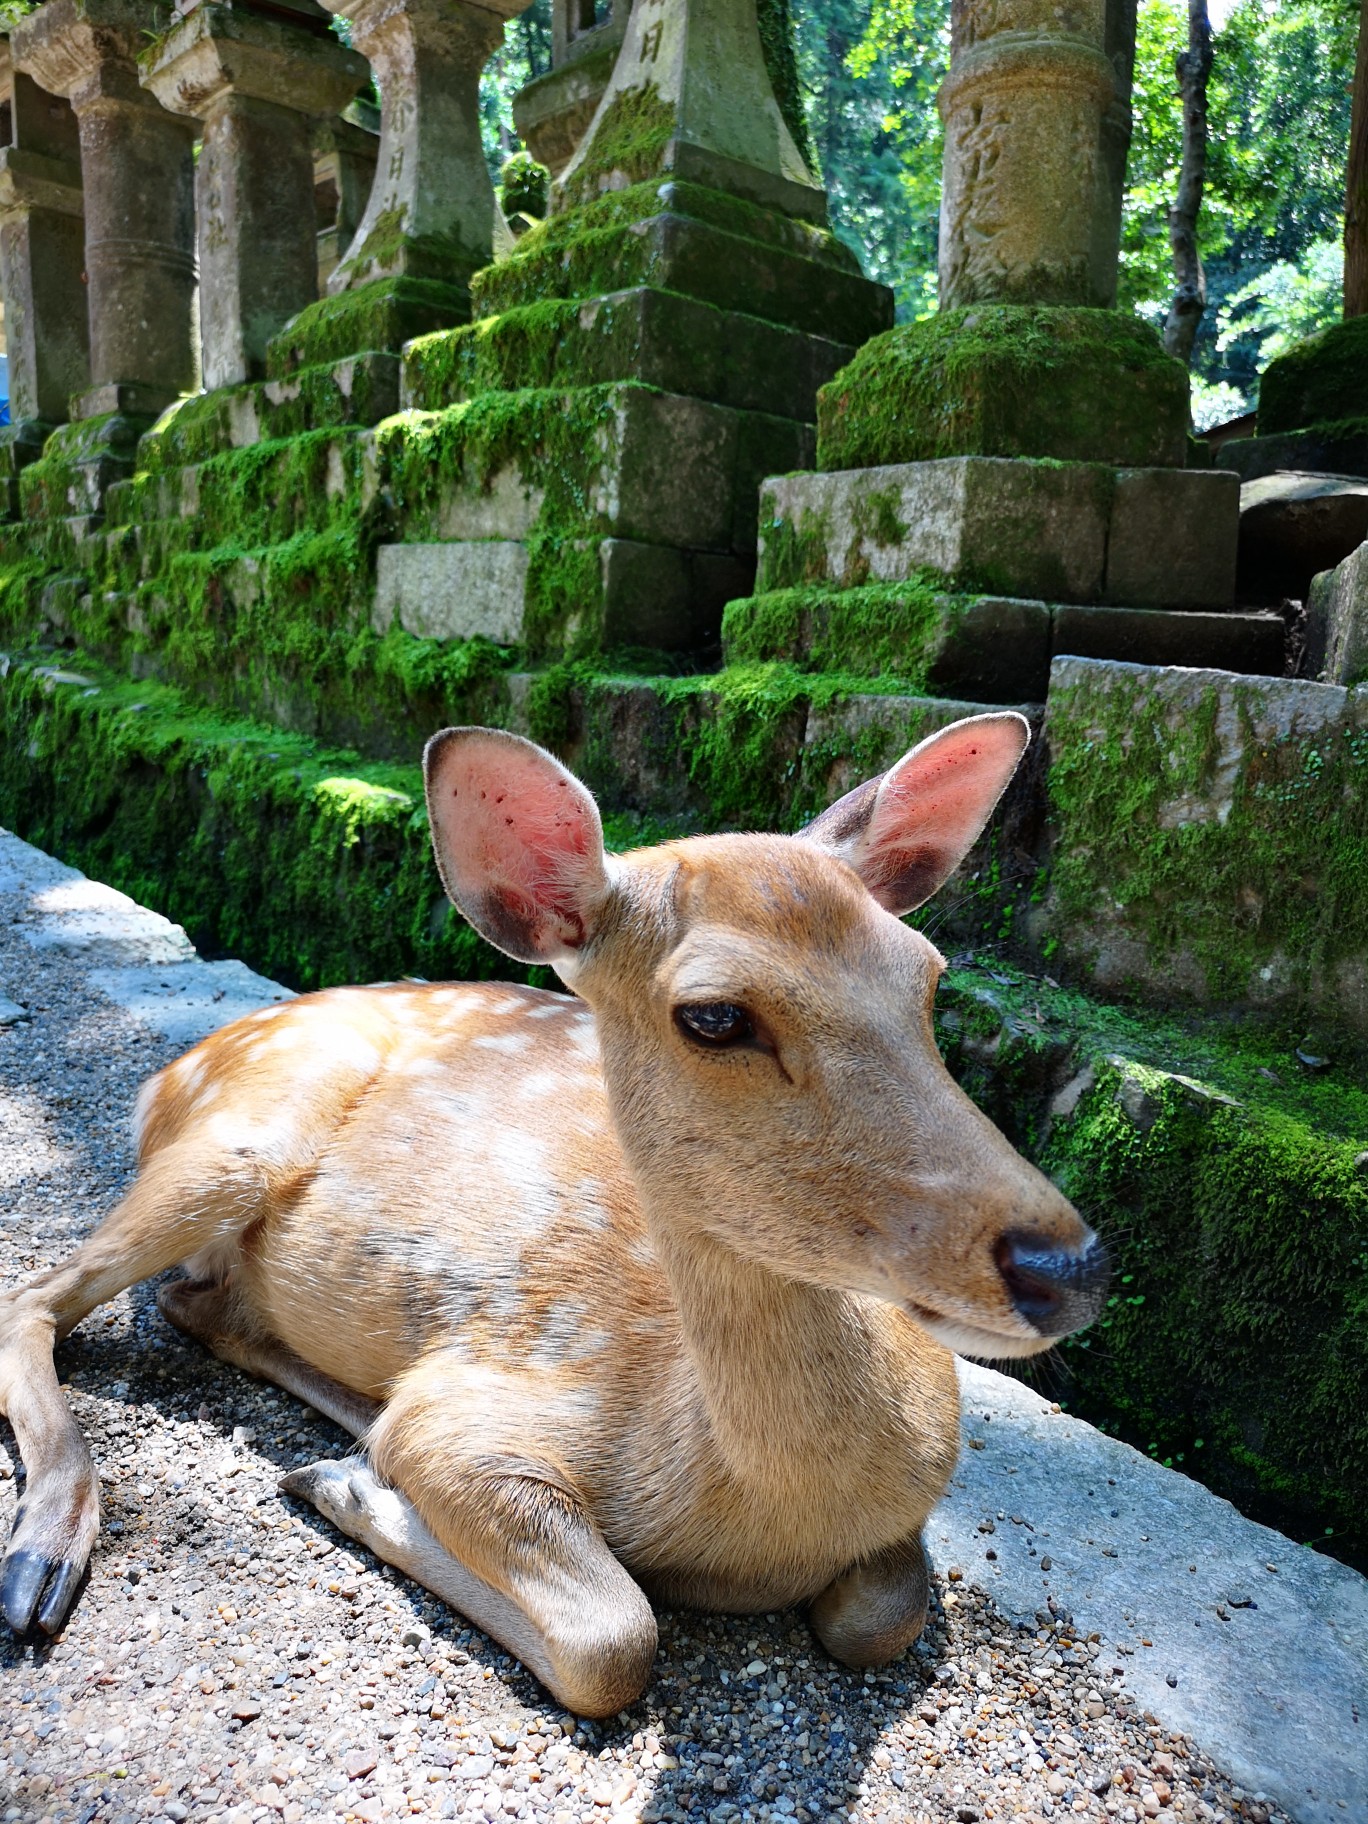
point(520, 841)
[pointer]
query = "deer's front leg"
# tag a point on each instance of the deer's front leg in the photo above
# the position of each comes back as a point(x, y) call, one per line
point(876, 1609)
point(496, 1531)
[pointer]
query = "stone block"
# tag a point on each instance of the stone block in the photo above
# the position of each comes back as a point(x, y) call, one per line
point(659, 338)
point(1173, 538)
point(1294, 525)
point(1009, 380)
point(703, 245)
point(669, 469)
point(1327, 449)
point(1337, 615)
point(1158, 636)
point(647, 597)
point(993, 649)
point(1208, 837)
point(1024, 528)
point(458, 591)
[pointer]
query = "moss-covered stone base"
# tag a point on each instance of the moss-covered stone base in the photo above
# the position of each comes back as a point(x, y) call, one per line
point(120, 778)
point(1321, 380)
point(1231, 1186)
point(1009, 380)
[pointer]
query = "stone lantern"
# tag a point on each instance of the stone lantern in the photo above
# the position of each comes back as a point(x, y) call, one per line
point(138, 178)
point(256, 78)
point(42, 264)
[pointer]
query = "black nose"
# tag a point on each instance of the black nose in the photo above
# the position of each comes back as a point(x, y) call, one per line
point(1055, 1291)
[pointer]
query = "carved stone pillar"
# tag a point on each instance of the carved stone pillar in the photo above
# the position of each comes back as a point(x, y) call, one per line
point(138, 176)
point(256, 81)
point(432, 212)
point(42, 259)
point(1028, 192)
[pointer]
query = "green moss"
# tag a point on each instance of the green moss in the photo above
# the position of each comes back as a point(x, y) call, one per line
point(1226, 1179)
point(313, 866)
point(1008, 380)
point(892, 631)
point(1272, 884)
point(776, 41)
point(1322, 381)
point(381, 314)
point(524, 186)
point(627, 146)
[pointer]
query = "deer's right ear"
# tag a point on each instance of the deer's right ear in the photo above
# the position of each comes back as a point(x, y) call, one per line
point(518, 840)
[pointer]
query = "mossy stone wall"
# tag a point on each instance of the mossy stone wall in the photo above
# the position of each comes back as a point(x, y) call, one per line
point(1210, 837)
point(1231, 1184)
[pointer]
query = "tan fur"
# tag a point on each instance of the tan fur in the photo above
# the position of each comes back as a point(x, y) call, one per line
point(633, 1317)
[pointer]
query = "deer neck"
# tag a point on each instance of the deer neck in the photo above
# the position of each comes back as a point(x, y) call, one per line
point(782, 1367)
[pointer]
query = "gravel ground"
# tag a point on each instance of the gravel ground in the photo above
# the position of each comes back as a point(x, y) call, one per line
point(231, 1659)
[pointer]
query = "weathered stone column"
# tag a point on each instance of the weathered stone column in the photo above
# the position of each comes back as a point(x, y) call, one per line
point(1024, 178)
point(1026, 357)
point(256, 81)
point(138, 176)
point(432, 213)
point(42, 258)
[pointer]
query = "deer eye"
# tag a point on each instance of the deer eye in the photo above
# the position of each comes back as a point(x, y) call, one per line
point(715, 1023)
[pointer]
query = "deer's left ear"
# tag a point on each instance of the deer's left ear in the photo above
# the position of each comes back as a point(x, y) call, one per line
point(905, 832)
point(519, 843)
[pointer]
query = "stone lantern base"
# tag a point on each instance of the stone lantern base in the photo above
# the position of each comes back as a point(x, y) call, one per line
point(1067, 383)
point(688, 333)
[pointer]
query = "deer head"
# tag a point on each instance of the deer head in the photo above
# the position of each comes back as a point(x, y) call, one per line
point(765, 1020)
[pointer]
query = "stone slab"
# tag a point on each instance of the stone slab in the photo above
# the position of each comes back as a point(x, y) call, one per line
point(1277, 1694)
point(1294, 525)
point(1023, 528)
point(453, 591)
point(1154, 636)
point(191, 1000)
point(141, 961)
point(1172, 538)
point(657, 338)
point(1331, 449)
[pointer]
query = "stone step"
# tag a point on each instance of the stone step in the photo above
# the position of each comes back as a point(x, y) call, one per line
point(356, 392)
point(1064, 531)
point(659, 338)
point(680, 237)
point(994, 648)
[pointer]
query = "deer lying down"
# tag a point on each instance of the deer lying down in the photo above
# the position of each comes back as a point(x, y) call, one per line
point(649, 1293)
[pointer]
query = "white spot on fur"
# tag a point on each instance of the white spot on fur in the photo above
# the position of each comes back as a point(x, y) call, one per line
point(502, 1041)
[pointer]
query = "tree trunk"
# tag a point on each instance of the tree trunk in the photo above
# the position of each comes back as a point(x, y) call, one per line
point(1356, 184)
point(1193, 67)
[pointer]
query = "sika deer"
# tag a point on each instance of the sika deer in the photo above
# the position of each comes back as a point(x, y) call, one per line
point(651, 1290)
